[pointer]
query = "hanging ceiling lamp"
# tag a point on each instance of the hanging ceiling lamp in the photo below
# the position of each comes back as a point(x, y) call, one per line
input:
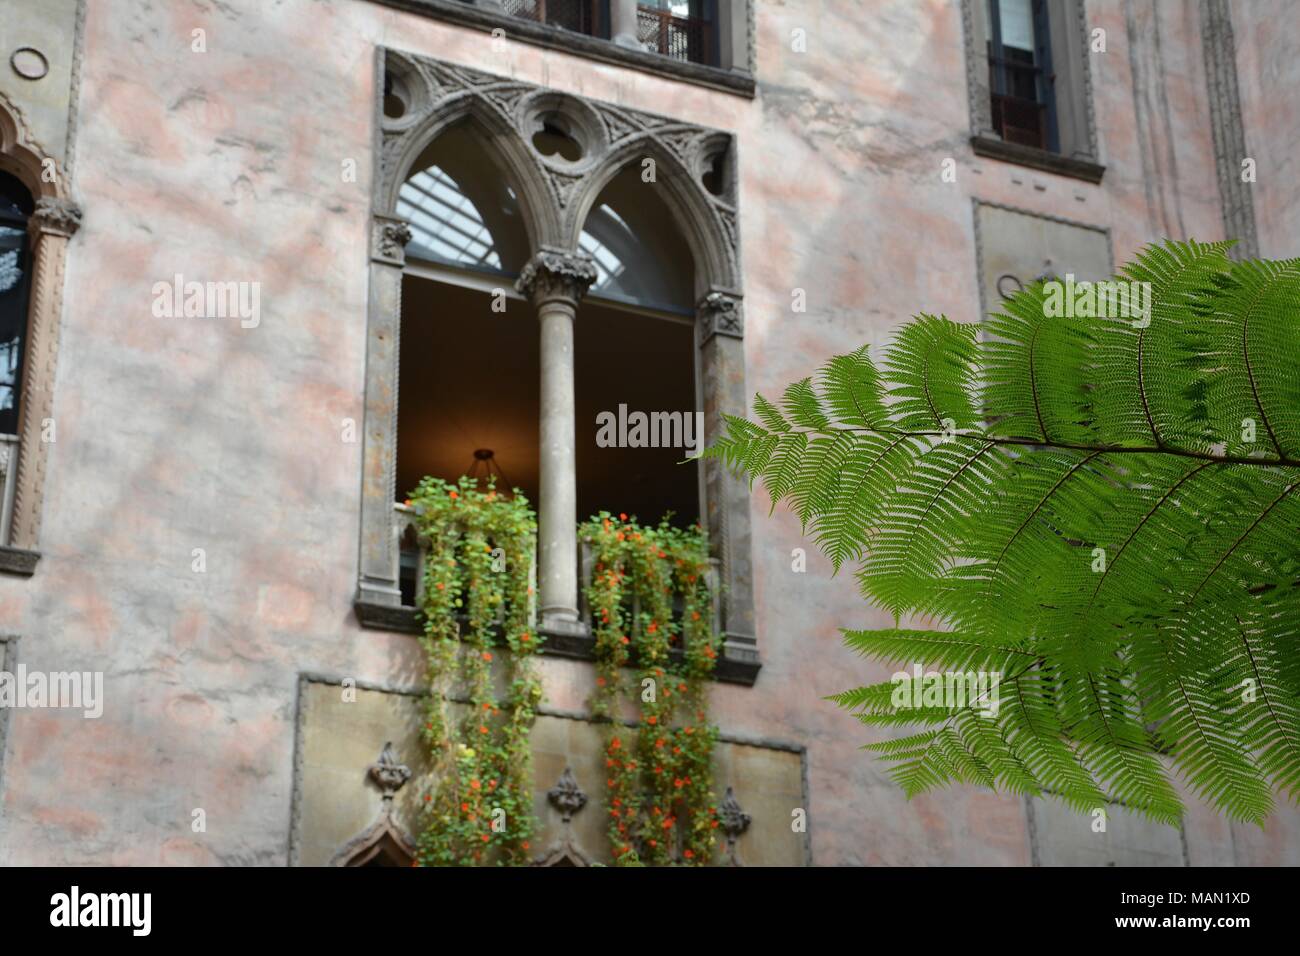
point(484, 468)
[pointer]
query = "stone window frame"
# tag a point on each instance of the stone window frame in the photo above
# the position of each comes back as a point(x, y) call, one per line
point(733, 74)
point(50, 228)
point(1071, 64)
point(555, 197)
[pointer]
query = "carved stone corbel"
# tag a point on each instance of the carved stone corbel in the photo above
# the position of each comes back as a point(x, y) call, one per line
point(720, 313)
point(389, 239)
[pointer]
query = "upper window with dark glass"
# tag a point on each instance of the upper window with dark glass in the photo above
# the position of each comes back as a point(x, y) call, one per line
point(1020, 72)
point(681, 29)
point(15, 209)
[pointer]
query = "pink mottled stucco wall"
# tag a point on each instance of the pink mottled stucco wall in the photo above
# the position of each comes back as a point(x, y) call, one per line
point(177, 434)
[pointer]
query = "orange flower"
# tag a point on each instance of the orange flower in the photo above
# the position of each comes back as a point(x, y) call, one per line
point(453, 495)
point(485, 838)
point(524, 844)
point(689, 855)
point(652, 843)
point(482, 729)
point(464, 808)
point(486, 705)
point(622, 516)
point(600, 682)
point(625, 639)
point(620, 536)
point(524, 637)
point(652, 720)
point(487, 655)
point(474, 785)
point(677, 782)
point(615, 744)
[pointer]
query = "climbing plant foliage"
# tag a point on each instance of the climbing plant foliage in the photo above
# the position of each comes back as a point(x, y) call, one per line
point(650, 606)
point(477, 601)
point(1103, 511)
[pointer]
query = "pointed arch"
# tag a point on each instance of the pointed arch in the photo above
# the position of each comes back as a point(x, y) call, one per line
point(501, 143)
point(21, 156)
point(686, 200)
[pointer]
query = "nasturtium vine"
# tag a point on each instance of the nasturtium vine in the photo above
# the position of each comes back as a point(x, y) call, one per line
point(477, 602)
point(650, 603)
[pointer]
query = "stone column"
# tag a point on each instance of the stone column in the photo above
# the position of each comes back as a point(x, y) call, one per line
point(720, 329)
point(378, 590)
point(51, 226)
point(622, 24)
point(555, 281)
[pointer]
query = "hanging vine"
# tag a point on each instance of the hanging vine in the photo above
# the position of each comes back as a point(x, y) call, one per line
point(649, 599)
point(476, 601)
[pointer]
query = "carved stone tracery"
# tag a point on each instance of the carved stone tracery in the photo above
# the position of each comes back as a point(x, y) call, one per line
point(556, 194)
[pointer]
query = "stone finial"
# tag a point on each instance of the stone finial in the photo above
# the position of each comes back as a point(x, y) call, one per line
point(61, 217)
point(388, 774)
point(720, 313)
point(556, 275)
point(734, 822)
point(566, 796)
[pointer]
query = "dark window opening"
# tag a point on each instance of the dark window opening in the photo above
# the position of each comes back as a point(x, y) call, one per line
point(15, 266)
point(589, 17)
point(1021, 80)
point(681, 29)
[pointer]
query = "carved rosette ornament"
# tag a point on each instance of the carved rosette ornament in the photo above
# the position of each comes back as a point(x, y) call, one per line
point(566, 796)
point(721, 313)
point(52, 216)
point(552, 275)
point(389, 775)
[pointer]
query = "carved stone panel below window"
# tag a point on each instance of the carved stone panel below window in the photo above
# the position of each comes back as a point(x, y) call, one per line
point(1015, 247)
point(337, 802)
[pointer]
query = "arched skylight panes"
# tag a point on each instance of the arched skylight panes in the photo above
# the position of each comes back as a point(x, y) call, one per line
point(461, 210)
point(641, 257)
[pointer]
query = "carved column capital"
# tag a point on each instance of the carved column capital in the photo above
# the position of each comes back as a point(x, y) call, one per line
point(720, 313)
point(389, 239)
point(551, 274)
point(58, 217)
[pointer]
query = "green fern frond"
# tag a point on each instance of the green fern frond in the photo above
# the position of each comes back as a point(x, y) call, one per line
point(1102, 509)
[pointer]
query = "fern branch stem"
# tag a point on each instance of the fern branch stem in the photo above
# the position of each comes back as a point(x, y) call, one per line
point(1274, 462)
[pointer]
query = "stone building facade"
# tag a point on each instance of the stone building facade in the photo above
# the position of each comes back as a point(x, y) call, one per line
point(206, 509)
